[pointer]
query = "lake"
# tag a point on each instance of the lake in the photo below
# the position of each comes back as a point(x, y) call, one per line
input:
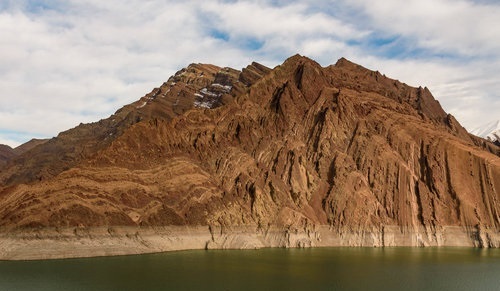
point(265, 269)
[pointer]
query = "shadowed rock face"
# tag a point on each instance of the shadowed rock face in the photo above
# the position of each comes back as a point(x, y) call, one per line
point(296, 146)
point(6, 154)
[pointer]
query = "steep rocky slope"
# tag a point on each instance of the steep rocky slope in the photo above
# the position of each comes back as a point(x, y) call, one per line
point(29, 145)
point(197, 86)
point(6, 154)
point(341, 154)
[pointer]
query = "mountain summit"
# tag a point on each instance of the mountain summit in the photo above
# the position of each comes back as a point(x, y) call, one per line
point(298, 155)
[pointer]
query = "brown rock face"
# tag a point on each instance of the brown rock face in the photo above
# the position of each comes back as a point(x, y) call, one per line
point(6, 154)
point(29, 145)
point(298, 146)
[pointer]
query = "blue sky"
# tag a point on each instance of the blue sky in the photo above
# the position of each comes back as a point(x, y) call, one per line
point(66, 62)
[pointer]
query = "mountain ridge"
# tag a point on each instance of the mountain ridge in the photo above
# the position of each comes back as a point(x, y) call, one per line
point(7, 153)
point(296, 148)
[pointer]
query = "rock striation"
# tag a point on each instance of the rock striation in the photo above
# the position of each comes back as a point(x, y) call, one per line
point(295, 156)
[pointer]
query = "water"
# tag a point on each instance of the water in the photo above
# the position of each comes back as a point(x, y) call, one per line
point(266, 269)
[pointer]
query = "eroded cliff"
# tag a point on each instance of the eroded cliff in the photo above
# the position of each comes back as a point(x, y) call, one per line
point(340, 154)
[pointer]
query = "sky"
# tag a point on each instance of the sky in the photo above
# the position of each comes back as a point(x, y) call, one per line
point(72, 61)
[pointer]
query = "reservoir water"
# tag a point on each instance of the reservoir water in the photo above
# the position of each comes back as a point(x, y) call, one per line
point(266, 269)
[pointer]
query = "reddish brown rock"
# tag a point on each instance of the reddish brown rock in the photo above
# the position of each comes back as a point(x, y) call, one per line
point(298, 147)
point(27, 146)
point(6, 154)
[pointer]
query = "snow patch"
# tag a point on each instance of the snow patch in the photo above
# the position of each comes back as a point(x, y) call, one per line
point(142, 105)
point(225, 88)
point(207, 98)
point(203, 104)
point(163, 96)
point(206, 92)
point(489, 131)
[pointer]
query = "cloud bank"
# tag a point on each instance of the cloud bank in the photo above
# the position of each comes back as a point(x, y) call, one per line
point(66, 62)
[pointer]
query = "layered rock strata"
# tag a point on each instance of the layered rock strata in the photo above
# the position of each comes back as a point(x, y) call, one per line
point(317, 156)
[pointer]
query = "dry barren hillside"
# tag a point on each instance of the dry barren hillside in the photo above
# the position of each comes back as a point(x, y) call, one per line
point(299, 149)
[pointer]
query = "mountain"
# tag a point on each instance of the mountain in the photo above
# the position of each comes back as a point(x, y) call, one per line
point(299, 155)
point(489, 131)
point(27, 146)
point(7, 153)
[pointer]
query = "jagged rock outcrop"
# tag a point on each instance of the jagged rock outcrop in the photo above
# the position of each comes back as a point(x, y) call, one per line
point(317, 152)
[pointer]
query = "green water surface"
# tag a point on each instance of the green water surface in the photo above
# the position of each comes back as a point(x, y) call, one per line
point(266, 269)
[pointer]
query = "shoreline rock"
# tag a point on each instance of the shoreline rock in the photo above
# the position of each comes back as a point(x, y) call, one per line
point(52, 243)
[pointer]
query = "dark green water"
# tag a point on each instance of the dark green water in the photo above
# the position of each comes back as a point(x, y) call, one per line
point(267, 269)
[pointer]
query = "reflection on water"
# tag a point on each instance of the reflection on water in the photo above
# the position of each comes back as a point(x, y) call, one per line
point(268, 269)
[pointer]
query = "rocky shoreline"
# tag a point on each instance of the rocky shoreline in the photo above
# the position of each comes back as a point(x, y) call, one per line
point(51, 243)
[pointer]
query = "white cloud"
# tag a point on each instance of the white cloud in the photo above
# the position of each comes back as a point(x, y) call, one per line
point(450, 26)
point(80, 60)
point(468, 91)
point(460, 51)
point(60, 68)
point(245, 18)
point(7, 141)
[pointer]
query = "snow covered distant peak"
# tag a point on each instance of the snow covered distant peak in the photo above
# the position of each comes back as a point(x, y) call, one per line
point(489, 131)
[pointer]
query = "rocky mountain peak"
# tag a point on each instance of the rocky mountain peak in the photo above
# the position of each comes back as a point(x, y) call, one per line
point(350, 75)
point(295, 147)
point(252, 73)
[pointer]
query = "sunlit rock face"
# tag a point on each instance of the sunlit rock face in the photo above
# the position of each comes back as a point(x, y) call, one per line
point(297, 147)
